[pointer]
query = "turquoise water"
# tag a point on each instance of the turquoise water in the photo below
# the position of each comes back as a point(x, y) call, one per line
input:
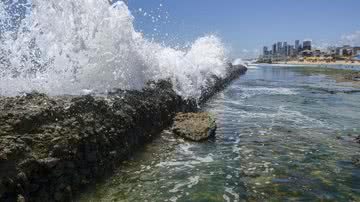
point(283, 135)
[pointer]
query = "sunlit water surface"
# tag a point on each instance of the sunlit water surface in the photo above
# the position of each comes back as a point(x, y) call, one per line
point(283, 135)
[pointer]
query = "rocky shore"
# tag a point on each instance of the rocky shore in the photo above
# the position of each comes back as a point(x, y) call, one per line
point(51, 147)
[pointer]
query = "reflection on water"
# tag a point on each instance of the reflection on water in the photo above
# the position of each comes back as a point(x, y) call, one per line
point(282, 136)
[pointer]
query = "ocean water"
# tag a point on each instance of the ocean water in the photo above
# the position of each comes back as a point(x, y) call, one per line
point(282, 137)
point(77, 47)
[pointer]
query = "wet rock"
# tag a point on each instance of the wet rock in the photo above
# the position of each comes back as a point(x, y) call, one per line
point(194, 126)
point(20, 198)
point(48, 142)
point(51, 147)
point(216, 84)
point(49, 162)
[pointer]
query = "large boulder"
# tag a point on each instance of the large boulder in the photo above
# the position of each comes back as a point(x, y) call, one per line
point(194, 126)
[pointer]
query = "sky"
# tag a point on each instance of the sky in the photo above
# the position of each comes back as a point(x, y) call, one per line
point(245, 26)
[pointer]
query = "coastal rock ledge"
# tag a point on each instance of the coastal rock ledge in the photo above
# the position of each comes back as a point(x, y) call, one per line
point(194, 126)
point(53, 147)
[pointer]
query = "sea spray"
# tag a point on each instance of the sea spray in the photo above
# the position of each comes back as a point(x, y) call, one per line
point(238, 61)
point(71, 47)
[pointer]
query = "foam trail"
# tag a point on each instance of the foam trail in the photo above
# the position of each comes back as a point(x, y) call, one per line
point(68, 47)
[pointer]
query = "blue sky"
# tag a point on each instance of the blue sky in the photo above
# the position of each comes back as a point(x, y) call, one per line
point(247, 25)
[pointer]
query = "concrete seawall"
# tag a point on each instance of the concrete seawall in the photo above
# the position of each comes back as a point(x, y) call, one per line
point(51, 147)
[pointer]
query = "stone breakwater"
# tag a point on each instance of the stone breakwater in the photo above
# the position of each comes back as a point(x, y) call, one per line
point(51, 147)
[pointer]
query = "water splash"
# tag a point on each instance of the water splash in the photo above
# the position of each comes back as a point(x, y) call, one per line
point(69, 47)
point(238, 61)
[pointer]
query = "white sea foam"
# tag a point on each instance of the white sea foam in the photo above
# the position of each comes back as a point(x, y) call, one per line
point(249, 92)
point(173, 199)
point(283, 113)
point(233, 193)
point(186, 149)
point(64, 47)
point(207, 159)
point(190, 163)
point(226, 198)
point(192, 181)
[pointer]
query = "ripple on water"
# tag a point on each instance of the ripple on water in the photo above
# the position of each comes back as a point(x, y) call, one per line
point(275, 141)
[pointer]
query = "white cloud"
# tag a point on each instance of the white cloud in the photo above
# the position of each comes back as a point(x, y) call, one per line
point(352, 39)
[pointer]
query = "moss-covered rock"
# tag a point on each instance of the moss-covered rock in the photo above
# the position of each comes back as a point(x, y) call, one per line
point(194, 126)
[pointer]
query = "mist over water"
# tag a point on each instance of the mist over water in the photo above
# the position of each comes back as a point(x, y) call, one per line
point(72, 47)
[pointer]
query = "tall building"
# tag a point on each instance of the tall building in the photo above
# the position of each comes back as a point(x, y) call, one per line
point(274, 49)
point(291, 50)
point(306, 45)
point(297, 46)
point(265, 50)
point(279, 47)
point(285, 49)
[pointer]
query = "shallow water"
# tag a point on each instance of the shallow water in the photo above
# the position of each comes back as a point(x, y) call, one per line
point(283, 135)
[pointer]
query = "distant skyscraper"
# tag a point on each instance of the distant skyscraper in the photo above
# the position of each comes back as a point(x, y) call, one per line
point(297, 46)
point(274, 49)
point(307, 45)
point(285, 48)
point(279, 47)
point(265, 50)
point(290, 51)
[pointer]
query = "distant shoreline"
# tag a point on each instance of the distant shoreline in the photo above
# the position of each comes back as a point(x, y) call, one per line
point(295, 62)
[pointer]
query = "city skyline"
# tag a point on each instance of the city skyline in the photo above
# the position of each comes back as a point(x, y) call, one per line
point(304, 50)
point(245, 26)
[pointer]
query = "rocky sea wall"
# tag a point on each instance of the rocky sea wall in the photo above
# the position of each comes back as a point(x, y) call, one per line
point(52, 147)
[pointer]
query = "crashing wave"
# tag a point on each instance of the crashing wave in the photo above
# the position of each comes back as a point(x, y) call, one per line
point(68, 47)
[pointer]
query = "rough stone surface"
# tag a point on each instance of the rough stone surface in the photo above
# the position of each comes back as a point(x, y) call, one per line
point(51, 147)
point(216, 84)
point(194, 126)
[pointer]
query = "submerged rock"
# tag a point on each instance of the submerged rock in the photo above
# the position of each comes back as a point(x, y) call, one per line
point(194, 126)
